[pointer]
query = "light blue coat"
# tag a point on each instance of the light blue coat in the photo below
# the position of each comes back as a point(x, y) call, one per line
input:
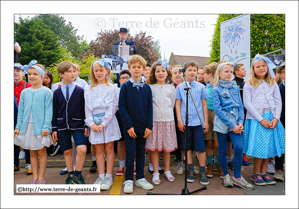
point(41, 105)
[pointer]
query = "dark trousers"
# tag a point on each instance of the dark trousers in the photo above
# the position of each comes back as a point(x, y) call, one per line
point(279, 162)
point(134, 147)
point(16, 155)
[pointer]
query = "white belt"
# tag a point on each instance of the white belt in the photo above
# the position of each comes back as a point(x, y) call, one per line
point(266, 110)
point(99, 110)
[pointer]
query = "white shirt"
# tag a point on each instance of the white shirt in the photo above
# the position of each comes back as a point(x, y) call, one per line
point(163, 102)
point(99, 99)
point(80, 82)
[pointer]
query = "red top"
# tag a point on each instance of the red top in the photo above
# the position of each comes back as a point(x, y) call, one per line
point(175, 85)
point(18, 88)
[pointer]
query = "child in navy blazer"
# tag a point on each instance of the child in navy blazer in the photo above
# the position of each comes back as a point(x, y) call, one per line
point(68, 120)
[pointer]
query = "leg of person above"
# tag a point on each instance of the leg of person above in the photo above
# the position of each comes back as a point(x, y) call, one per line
point(34, 163)
point(93, 167)
point(150, 162)
point(28, 162)
point(140, 150)
point(216, 158)
point(42, 154)
point(109, 150)
point(209, 151)
point(256, 176)
point(265, 176)
point(167, 172)
point(237, 178)
point(68, 158)
point(279, 168)
point(130, 144)
point(100, 160)
point(74, 153)
point(121, 151)
point(222, 141)
point(81, 153)
point(155, 157)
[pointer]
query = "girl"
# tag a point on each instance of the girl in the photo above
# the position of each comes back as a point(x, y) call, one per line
point(48, 79)
point(34, 120)
point(177, 77)
point(200, 76)
point(228, 119)
point(101, 100)
point(264, 135)
point(163, 136)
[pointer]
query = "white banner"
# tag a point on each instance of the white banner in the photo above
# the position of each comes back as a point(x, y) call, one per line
point(235, 41)
point(57, 188)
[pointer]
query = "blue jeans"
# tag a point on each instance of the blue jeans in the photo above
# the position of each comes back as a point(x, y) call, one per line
point(238, 155)
point(134, 147)
point(16, 155)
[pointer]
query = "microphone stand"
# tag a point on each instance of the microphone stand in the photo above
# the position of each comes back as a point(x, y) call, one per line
point(185, 190)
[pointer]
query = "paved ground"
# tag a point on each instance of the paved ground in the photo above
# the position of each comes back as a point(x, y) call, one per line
point(56, 164)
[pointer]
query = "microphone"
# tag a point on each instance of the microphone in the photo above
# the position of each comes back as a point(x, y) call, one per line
point(182, 70)
point(122, 39)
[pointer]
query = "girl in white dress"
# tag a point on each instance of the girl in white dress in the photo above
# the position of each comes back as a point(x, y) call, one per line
point(101, 100)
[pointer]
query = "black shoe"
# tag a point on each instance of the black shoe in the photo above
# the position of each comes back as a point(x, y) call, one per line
point(161, 171)
point(191, 176)
point(93, 167)
point(78, 180)
point(151, 172)
point(54, 150)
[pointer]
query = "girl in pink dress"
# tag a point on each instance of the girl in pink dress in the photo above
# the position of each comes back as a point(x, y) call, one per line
point(163, 136)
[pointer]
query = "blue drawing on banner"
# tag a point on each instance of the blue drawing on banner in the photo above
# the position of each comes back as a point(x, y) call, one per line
point(233, 34)
point(117, 61)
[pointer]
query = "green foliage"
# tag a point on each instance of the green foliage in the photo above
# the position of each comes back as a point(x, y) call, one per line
point(157, 48)
point(84, 64)
point(267, 34)
point(37, 41)
point(66, 32)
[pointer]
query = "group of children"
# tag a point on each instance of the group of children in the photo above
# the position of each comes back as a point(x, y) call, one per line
point(148, 113)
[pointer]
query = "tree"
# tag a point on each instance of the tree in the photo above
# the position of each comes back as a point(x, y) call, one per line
point(157, 48)
point(267, 34)
point(105, 40)
point(38, 42)
point(66, 32)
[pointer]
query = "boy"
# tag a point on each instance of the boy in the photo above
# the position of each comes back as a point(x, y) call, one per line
point(136, 111)
point(124, 76)
point(68, 120)
point(19, 86)
point(210, 135)
point(195, 138)
point(240, 73)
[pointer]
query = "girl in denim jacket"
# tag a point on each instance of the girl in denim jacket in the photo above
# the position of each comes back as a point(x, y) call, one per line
point(229, 116)
point(33, 129)
point(264, 135)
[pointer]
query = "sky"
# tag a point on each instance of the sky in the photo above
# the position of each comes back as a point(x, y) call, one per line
point(180, 34)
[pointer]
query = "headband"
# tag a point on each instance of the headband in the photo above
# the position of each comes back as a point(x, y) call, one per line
point(103, 63)
point(164, 64)
point(31, 64)
point(226, 63)
point(269, 63)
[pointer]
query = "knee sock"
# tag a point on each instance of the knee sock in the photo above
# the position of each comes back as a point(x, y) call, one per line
point(122, 163)
point(109, 175)
point(150, 166)
point(134, 163)
point(210, 159)
point(77, 173)
point(202, 169)
point(156, 176)
point(190, 167)
point(102, 176)
point(93, 158)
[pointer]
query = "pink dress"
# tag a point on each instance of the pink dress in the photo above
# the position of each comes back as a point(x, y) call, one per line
point(163, 135)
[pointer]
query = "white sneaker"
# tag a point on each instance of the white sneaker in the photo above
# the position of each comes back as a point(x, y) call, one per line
point(22, 155)
point(99, 181)
point(271, 167)
point(128, 189)
point(107, 183)
point(143, 183)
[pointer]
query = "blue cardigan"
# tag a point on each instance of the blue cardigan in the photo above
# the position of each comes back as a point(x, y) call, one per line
point(40, 103)
point(68, 114)
point(136, 107)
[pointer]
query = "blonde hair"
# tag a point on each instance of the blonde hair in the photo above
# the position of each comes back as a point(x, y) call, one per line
point(77, 67)
point(218, 71)
point(179, 66)
point(136, 58)
point(93, 79)
point(211, 68)
point(254, 81)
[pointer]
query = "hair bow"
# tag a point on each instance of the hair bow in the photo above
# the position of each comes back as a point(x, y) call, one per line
point(103, 63)
point(269, 63)
point(32, 64)
point(221, 65)
point(164, 64)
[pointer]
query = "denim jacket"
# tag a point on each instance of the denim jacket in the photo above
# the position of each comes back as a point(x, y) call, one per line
point(227, 99)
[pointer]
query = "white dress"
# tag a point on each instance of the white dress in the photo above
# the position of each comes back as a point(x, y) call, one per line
point(102, 99)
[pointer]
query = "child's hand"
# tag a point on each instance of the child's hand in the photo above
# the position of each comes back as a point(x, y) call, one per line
point(241, 126)
point(237, 130)
point(100, 127)
point(181, 126)
point(54, 136)
point(273, 123)
point(17, 132)
point(265, 123)
point(86, 133)
point(131, 132)
point(207, 127)
point(45, 133)
point(147, 133)
point(94, 127)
